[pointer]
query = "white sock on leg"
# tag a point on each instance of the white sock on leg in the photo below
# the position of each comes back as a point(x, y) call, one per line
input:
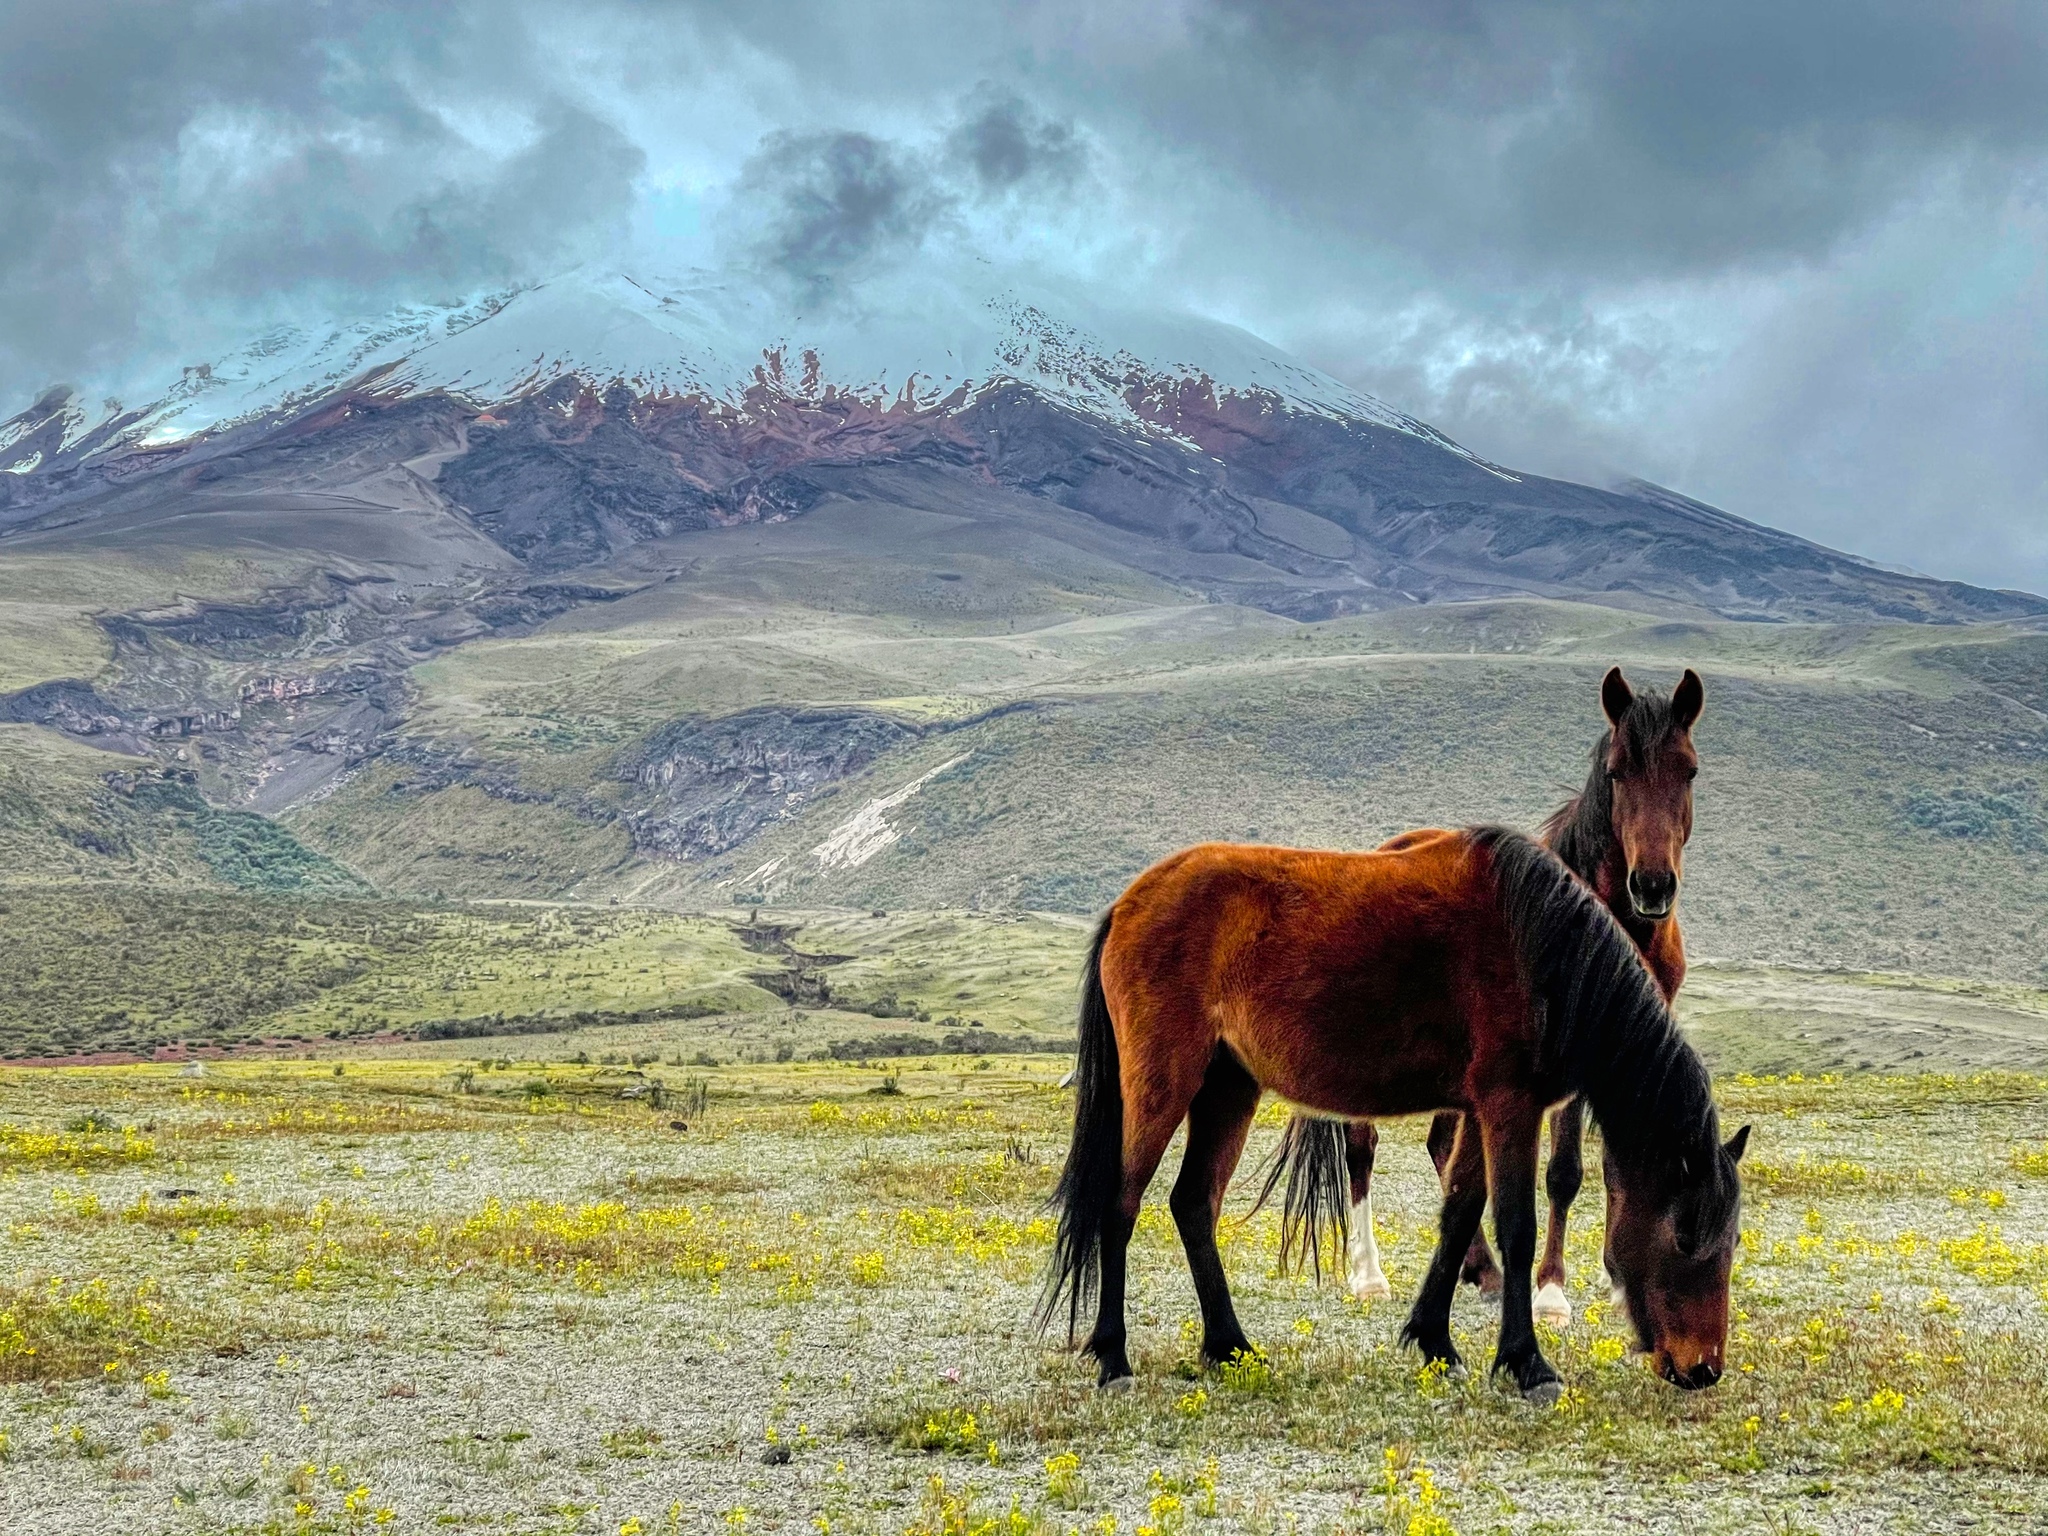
point(1367, 1281)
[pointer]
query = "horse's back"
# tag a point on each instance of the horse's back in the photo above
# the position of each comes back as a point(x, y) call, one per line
point(1295, 958)
point(1420, 837)
point(1217, 886)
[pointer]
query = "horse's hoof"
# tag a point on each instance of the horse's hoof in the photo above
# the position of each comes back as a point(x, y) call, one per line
point(1552, 1306)
point(1118, 1384)
point(1544, 1394)
point(1238, 1351)
point(1370, 1287)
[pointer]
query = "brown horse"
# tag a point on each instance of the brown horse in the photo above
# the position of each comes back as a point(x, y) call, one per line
point(1624, 834)
point(1468, 971)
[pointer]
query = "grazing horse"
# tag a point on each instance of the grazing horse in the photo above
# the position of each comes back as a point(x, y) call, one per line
point(1469, 971)
point(1624, 834)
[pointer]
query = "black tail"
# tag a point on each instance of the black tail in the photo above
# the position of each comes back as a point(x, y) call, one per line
point(1092, 1180)
point(1314, 1157)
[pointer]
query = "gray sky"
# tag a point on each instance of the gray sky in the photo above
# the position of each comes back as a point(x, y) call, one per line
point(1791, 259)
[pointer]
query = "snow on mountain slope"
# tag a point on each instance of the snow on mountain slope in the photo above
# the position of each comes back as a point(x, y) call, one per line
point(924, 340)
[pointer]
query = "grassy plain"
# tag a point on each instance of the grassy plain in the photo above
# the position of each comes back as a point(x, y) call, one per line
point(495, 1294)
point(92, 967)
point(111, 968)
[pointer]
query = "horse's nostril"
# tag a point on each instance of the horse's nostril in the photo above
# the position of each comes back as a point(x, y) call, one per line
point(1652, 888)
point(1701, 1375)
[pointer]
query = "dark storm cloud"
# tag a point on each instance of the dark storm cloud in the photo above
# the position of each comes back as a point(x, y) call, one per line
point(1787, 255)
point(1006, 144)
point(819, 207)
point(167, 165)
point(824, 203)
point(1606, 138)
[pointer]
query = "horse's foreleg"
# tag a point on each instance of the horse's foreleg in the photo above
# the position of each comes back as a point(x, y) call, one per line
point(1218, 1121)
point(1511, 1143)
point(1479, 1268)
point(1367, 1280)
point(1566, 1173)
point(1464, 1181)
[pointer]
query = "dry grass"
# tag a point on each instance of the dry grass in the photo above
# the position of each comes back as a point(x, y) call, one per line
point(53, 1328)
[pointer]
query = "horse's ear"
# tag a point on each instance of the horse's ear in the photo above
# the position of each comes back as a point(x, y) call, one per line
point(1615, 695)
point(1736, 1144)
point(1687, 699)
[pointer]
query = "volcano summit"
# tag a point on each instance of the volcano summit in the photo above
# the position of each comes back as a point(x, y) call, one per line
point(567, 422)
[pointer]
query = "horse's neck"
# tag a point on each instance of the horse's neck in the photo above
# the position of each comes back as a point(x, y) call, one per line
point(1573, 834)
point(1648, 1092)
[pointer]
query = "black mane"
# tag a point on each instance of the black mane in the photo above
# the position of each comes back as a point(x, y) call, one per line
point(1602, 1025)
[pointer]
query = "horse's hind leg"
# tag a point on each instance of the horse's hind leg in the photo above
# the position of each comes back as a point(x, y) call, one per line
point(1367, 1280)
point(1567, 1171)
point(1156, 1096)
point(1464, 1180)
point(1479, 1268)
point(1218, 1121)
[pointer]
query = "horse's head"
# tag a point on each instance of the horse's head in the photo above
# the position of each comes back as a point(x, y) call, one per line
point(1650, 764)
point(1670, 1247)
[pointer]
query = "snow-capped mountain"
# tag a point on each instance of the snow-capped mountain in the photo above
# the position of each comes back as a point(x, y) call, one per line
point(560, 426)
point(936, 344)
point(452, 473)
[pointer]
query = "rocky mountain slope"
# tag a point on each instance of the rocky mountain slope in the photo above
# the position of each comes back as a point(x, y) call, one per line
point(973, 595)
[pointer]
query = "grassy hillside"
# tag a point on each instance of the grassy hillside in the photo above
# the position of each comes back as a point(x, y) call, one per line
point(1865, 800)
point(1872, 797)
point(53, 589)
point(71, 811)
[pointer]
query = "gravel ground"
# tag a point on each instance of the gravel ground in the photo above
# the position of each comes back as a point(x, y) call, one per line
point(360, 1323)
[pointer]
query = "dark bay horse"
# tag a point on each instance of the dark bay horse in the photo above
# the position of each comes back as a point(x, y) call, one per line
point(1468, 971)
point(1624, 834)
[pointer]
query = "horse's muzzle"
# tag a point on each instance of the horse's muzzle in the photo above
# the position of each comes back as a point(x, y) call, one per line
point(1700, 1377)
point(1652, 891)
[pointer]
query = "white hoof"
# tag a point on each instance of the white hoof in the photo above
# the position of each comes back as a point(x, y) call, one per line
point(1370, 1287)
point(1552, 1306)
point(1120, 1384)
point(1544, 1394)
